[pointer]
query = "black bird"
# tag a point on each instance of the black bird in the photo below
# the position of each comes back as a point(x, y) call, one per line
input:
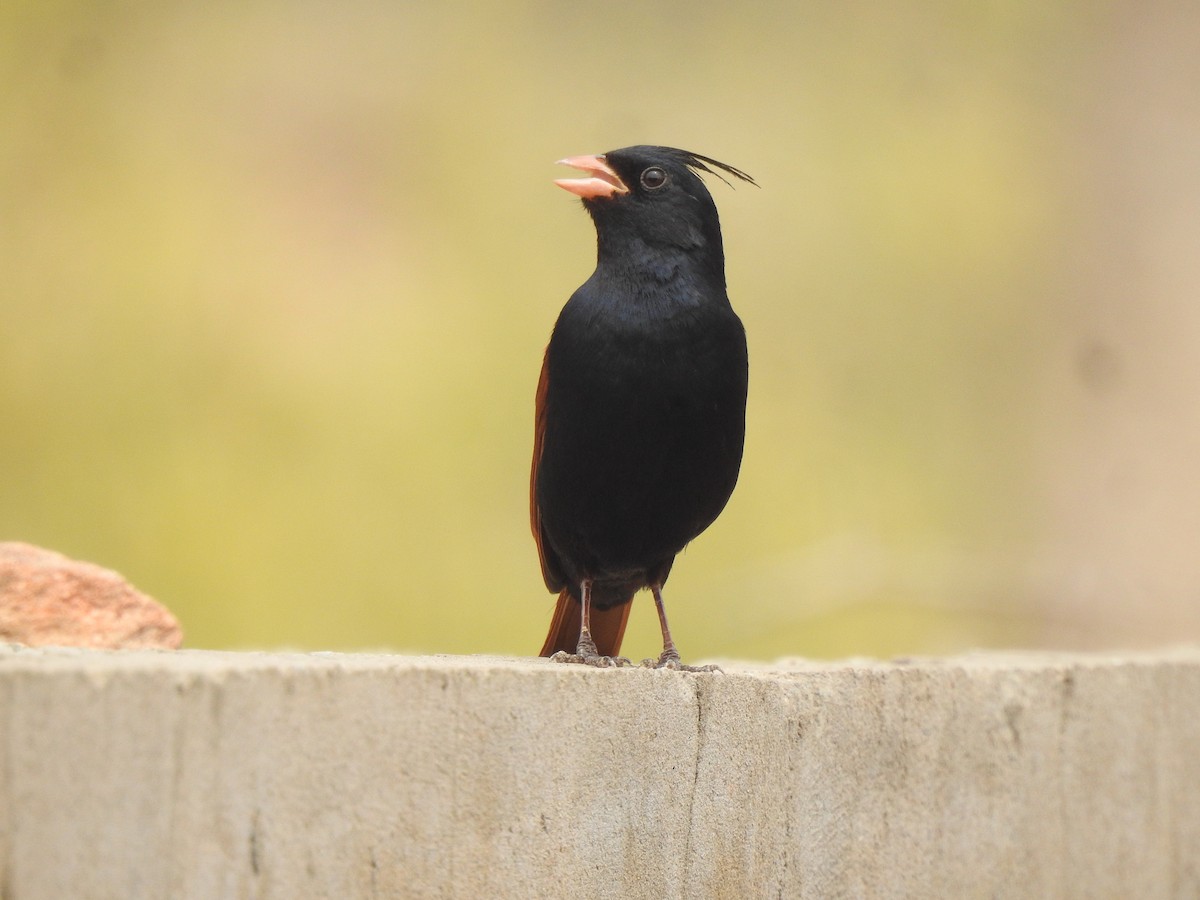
point(641, 406)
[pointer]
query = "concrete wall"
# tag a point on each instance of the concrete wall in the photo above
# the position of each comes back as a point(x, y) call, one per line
point(202, 774)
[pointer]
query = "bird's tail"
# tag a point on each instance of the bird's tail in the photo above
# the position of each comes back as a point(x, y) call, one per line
point(608, 626)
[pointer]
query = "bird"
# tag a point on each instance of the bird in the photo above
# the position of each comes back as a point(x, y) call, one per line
point(640, 410)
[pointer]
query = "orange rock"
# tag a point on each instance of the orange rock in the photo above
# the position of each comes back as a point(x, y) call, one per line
point(47, 599)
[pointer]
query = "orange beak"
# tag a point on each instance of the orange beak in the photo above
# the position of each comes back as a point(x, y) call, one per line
point(603, 183)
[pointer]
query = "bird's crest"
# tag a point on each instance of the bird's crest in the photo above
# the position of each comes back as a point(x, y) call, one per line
point(698, 164)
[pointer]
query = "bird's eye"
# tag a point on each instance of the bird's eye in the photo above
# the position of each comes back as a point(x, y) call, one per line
point(653, 178)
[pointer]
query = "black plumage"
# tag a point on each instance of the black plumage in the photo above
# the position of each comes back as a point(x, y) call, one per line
point(641, 405)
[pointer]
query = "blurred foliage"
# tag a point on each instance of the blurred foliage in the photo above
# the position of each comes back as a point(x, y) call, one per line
point(277, 279)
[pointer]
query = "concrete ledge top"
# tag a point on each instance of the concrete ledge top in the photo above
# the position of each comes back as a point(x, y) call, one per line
point(184, 774)
point(15, 657)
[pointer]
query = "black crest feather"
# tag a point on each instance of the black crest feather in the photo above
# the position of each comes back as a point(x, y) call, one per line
point(699, 163)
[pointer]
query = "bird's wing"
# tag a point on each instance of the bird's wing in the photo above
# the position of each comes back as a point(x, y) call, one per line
point(608, 625)
point(551, 570)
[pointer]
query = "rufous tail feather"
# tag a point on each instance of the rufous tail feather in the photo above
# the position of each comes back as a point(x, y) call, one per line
point(608, 627)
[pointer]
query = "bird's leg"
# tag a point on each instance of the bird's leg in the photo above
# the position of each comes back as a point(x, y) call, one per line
point(670, 656)
point(587, 647)
point(586, 651)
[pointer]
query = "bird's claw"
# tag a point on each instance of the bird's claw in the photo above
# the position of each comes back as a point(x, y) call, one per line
point(592, 659)
point(671, 661)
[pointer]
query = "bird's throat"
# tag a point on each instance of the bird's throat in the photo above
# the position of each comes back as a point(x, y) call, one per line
point(637, 262)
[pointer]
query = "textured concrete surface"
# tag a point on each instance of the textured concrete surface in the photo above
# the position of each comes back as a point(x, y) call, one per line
point(201, 774)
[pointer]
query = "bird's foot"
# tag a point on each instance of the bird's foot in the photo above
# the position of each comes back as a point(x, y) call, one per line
point(670, 660)
point(591, 659)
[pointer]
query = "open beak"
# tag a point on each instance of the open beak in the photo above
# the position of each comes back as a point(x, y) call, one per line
point(603, 183)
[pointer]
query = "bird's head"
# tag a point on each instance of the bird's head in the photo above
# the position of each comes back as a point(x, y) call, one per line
point(650, 197)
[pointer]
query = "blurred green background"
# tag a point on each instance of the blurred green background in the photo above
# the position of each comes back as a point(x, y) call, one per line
point(276, 280)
